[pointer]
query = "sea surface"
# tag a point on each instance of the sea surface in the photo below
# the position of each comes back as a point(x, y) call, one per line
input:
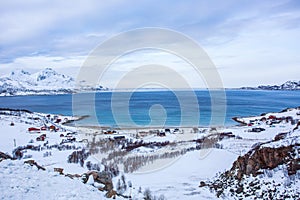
point(158, 108)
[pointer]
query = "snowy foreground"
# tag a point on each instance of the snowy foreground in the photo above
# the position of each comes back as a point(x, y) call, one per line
point(21, 181)
point(92, 163)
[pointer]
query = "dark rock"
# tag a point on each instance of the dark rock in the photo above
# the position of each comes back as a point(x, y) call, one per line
point(293, 166)
point(202, 184)
point(59, 170)
point(239, 190)
point(33, 163)
point(104, 178)
point(280, 136)
point(262, 158)
point(4, 156)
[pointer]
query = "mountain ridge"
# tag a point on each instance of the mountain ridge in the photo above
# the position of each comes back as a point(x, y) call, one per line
point(288, 85)
point(46, 81)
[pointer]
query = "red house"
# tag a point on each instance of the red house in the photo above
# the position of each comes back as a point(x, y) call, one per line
point(31, 129)
point(272, 117)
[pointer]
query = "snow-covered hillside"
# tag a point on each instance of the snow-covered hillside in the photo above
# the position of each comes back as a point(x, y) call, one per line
point(259, 160)
point(269, 163)
point(21, 181)
point(47, 81)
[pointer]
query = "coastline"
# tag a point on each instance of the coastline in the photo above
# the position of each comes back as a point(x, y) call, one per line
point(236, 119)
point(125, 90)
point(190, 154)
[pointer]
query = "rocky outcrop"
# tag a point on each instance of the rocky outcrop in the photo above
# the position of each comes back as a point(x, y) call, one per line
point(297, 126)
point(33, 163)
point(59, 170)
point(254, 161)
point(18, 152)
point(244, 179)
point(4, 156)
point(104, 178)
point(238, 120)
point(280, 136)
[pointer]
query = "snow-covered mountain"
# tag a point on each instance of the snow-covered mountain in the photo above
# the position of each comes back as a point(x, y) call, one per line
point(289, 85)
point(47, 81)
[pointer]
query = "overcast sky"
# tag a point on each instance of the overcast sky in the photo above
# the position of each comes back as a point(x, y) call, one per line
point(250, 42)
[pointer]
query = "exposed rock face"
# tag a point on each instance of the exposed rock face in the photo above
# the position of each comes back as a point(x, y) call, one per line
point(59, 170)
point(294, 166)
point(18, 152)
point(4, 156)
point(236, 119)
point(33, 163)
point(265, 158)
point(280, 136)
point(297, 126)
point(104, 178)
point(111, 194)
point(245, 178)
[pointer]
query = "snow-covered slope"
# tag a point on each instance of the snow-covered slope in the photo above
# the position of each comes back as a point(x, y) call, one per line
point(47, 81)
point(268, 165)
point(22, 181)
point(55, 80)
point(259, 160)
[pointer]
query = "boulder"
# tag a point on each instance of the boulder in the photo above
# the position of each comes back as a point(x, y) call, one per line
point(59, 170)
point(202, 184)
point(73, 176)
point(111, 194)
point(33, 163)
point(4, 156)
point(104, 178)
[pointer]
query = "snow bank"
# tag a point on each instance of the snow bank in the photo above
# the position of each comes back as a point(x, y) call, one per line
point(21, 181)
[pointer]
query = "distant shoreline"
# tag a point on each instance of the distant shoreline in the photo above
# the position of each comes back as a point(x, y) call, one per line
point(142, 90)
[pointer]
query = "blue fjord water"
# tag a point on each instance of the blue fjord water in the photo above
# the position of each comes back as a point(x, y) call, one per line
point(238, 103)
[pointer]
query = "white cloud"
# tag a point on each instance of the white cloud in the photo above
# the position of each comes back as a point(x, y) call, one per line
point(168, 66)
point(21, 20)
point(250, 42)
point(66, 65)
